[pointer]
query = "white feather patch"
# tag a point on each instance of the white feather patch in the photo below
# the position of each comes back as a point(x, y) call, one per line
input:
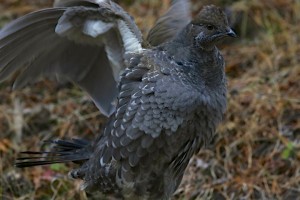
point(95, 28)
point(115, 61)
point(101, 162)
point(101, 1)
point(63, 26)
point(131, 42)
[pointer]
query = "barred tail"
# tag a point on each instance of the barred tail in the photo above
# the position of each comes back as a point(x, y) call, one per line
point(75, 150)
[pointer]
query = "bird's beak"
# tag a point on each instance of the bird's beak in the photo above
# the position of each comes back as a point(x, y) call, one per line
point(231, 33)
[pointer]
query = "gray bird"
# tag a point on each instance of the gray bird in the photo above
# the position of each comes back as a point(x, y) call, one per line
point(164, 96)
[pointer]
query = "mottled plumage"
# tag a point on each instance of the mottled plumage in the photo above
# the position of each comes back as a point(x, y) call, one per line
point(170, 99)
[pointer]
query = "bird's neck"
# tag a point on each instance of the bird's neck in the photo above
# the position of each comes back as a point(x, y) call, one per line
point(207, 65)
point(183, 46)
point(184, 37)
point(187, 37)
point(183, 50)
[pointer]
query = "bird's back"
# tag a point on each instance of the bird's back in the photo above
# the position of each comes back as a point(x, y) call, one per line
point(160, 122)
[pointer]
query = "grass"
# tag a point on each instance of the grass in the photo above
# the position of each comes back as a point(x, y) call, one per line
point(255, 154)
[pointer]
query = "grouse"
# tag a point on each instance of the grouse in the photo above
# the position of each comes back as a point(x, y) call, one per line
point(164, 96)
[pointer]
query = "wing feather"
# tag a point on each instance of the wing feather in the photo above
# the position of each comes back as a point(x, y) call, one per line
point(80, 44)
point(82, 41)
point(171, 23)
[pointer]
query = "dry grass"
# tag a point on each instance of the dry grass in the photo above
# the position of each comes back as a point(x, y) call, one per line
point(255, 154)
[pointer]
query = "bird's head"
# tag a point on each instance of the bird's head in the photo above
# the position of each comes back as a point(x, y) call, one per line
point(209, 27)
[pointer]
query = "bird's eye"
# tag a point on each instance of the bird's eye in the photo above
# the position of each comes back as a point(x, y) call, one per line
point(210, 27)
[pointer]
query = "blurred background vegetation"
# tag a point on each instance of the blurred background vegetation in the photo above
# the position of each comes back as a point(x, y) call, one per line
point(255, 154)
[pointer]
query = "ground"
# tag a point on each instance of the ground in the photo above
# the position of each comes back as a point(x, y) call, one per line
point(255, 154)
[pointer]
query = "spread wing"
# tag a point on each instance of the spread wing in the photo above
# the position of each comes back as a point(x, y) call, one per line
point(82, 44)
point(82, 41)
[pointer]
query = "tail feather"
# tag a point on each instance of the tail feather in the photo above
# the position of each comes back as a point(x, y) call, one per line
point(68, 145)
point(75, 150)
